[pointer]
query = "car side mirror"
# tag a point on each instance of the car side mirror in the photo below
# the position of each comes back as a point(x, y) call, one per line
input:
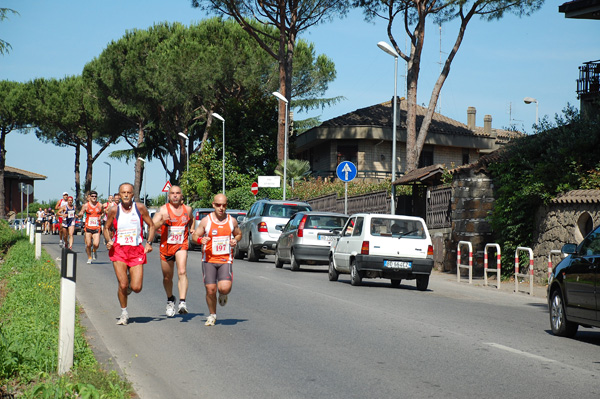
point(279, 227)
point(569, 249)
point(241, 219)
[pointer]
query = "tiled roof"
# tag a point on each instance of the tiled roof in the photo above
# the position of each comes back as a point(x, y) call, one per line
point(578, 197)
point(421, 174)
point(381, 115)
point(9, 171)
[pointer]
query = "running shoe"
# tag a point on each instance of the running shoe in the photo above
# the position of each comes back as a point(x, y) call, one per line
point(61, 243)
point(170, 308)
point(93, 255)
point(123, 320)
point(222, 299)
point(182, 308)
point(89, 261)
point(210, 320)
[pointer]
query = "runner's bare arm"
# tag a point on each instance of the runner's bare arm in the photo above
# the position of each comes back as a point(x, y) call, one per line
point(199, 232)
point(151, 229)
point(109, 220)
point(159, 218)
point(237, 234)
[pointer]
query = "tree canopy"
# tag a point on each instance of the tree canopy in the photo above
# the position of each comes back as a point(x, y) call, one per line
point(414, 15)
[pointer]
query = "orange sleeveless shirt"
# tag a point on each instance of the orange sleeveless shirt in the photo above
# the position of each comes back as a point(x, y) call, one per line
point(218, 249)
point(92, 216)
point(174, 234)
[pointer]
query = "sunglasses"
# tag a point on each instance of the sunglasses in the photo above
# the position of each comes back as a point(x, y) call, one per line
point(220, 205)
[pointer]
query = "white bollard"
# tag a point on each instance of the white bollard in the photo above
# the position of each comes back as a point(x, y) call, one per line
point(38, 241)
point(66, 338)
point(31, 232)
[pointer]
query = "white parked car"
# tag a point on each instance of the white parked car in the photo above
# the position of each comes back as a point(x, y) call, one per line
point(383, 246)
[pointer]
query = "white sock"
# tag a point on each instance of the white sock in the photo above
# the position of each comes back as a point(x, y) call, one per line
point(123, 310)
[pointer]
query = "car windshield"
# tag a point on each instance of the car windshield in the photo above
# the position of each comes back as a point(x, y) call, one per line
point(283, 210)
point(397, 228)
point(325, 222)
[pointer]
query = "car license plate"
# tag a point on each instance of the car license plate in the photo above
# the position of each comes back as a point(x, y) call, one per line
point(325, 238)
point(397, 264)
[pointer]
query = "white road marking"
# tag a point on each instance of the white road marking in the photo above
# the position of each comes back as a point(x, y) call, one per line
point(518, 352)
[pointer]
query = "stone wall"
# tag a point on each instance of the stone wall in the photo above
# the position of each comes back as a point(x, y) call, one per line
point(472, 201)
point(557, 224)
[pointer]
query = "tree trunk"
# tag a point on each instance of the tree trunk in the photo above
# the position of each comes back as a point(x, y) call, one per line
point(137, 184)
point(77, 167)
point(87, 185)
point(2, 166)
point(283, 87)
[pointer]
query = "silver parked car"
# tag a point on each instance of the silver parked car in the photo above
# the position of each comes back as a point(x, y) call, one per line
point(259, 226)
point(307, 237)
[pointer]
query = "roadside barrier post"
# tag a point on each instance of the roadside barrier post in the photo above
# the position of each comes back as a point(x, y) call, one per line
point(530, 274)
point(38, 240)
point(553, 251)
point(458, 260)
point(31, 232)
point(66, 338)
point(498, 268)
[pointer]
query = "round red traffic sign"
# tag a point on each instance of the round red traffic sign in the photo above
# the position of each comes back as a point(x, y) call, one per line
point(254, 188)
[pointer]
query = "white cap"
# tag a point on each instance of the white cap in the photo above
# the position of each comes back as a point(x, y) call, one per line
point(65, 193)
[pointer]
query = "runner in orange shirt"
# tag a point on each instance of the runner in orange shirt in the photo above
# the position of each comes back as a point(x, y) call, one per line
point(219, 234)
point(94, 211)
point(176, 220)
point(59, 205)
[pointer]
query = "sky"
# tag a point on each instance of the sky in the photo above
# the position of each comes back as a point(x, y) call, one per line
point(498, 64)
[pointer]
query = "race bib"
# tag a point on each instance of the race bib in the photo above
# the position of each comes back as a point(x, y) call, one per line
point(93, 221)
point(71, 214)
point(127, 237)
point(175, 234)
point(220, 245)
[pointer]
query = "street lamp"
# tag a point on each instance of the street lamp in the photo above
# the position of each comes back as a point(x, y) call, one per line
point(109, 174)
point(187, 153)
point(390, 50)
point(529, 100)
point(219, 117)
point(144, 161)
point(285, 141)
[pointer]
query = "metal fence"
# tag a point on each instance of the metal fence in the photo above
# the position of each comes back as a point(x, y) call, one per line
point(439, 210)
point(378, 202)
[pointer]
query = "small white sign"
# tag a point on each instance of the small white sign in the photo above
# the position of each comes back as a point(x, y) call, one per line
point(269, 181)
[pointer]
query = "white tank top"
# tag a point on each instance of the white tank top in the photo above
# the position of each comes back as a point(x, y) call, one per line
point(128, 226)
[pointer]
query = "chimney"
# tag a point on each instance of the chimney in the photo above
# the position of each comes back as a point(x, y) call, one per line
point(487, 126)
point(471, 118)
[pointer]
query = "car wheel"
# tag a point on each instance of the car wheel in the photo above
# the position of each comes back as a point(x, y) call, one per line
point(396, 283)
point(237, 254)
point(295, 266)
point(252, 255)
point(333, 274)
point(558, 318)
point(422, 282)
point(278, 261)
point(355, 275)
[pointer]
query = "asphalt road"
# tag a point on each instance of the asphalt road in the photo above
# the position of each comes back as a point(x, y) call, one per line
point(290, 334)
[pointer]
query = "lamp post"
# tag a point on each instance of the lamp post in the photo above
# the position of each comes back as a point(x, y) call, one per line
point(529, 100)
point(390, 50)
point(285, 141)
point(219, 117)
point(187, 153)
point(144, 161)
point(109, 175)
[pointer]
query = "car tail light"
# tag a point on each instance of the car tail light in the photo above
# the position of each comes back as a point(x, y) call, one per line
point(364, 249)
point(430, 251)
point(301, 227)
point(197, 215)
point(262, 227)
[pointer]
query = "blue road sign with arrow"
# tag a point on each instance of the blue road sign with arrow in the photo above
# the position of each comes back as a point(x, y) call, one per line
point(346, 171)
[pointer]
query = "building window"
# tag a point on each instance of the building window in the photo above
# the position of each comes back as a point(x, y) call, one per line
point(347, 153)
point(426, 158)
point(465, 156)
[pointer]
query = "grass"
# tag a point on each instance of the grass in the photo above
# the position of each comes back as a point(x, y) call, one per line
point(29, 329)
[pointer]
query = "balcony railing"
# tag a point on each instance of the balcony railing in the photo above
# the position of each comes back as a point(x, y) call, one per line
point(588, 83)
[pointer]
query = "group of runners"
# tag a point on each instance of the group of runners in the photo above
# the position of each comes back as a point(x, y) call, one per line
point(123, 217)
point(46, 218)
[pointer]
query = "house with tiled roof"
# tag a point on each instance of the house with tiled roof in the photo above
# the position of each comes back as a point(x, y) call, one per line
point(364, 137)
point(14, 178)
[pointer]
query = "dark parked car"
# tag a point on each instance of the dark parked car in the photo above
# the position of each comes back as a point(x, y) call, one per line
point(573, 295)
